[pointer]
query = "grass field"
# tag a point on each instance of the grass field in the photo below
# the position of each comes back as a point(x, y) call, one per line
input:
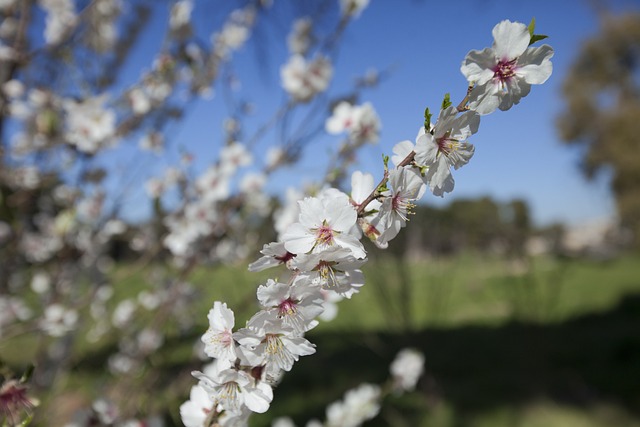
point(543, 343)
point(538, 343)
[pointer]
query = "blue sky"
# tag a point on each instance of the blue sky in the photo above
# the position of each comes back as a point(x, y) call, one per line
point(518, 153)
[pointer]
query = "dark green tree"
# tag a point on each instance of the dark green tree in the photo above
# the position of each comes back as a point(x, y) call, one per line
point(602, 111)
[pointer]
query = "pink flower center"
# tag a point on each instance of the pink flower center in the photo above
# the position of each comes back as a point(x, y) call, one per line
point(226, 338)
point(288, 307)
point(327, 272)
point(401, 206)
point(504, 70)
point(446, 144)
point(371, 231)
point(286, 257)
point(324, 234)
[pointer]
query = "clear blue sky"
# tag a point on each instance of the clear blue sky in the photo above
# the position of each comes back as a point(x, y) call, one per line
point(518, 153)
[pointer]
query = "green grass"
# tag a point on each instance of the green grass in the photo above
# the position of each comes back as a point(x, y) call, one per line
point(548, 343)
point(474, 290)
point(540, 343)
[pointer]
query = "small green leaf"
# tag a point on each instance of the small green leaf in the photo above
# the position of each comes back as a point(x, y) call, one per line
point(427, 120)
point(446, 102)
point(385, 160)
point(537, 38)
point(533, 36)
point(531, 27)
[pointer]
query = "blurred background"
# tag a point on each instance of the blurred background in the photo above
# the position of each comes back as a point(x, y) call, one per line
point(521, 287)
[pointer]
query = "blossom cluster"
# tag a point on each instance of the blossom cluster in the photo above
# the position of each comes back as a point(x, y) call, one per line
point(359, 404)
point(321, 247)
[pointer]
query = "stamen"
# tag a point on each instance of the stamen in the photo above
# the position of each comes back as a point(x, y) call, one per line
point(228, 396)
point(327, 273)
point(447, 145)
point(324, 235)
point(277, 352)
point(402, 206)
point(504, 70)
point(287, 308)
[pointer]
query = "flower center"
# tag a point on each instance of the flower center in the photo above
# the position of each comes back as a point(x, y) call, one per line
point(504, 70)
point(327, 273)
point(446, 144)
point(402, 206)
point(287, 307)
point(226, 338)
point(274, 344)
point(286, 257)
point(324, 234)
point(228, 395)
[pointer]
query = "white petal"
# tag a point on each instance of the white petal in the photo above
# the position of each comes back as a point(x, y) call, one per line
point(192, 414)
point(535, 64)
point(478, 66)
point(511, 39)
point(400, 151)
point(297, 239)
point(466, 125)
point(258, 399)
point(440, 179)
point(311, 209)
point(426, 150)
point(361, 186)
point(300, 346)
point(516, 90)
point(485, 99)
point(341, 215)
point(220, 317)
point(263, 263)
point(349, 242)
point(273, 293)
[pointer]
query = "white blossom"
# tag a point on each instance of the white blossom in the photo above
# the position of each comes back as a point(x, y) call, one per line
point(335, 269)
point(58, 320)
point(233, 390)
point(269, 343)
point(273, 254)
point(218, 339)
point(359, 405)
point(89, 124)
point(446, 147)
point(360, 121)
point(353, 8)
point(296, 305)
point(504, 73)
point(407, 186)
point(300, 38)
point(60, 17)
point(40, 282)
point(407, 368)
point(323, 223)
point(194, 411)
point(180, 15)
point(303, 80)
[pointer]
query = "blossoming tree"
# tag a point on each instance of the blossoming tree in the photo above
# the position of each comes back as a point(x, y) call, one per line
point(63, 114)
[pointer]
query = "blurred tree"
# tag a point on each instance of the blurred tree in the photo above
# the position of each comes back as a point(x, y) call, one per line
point(518, 226)
point(602, 111)
point(481, 224)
